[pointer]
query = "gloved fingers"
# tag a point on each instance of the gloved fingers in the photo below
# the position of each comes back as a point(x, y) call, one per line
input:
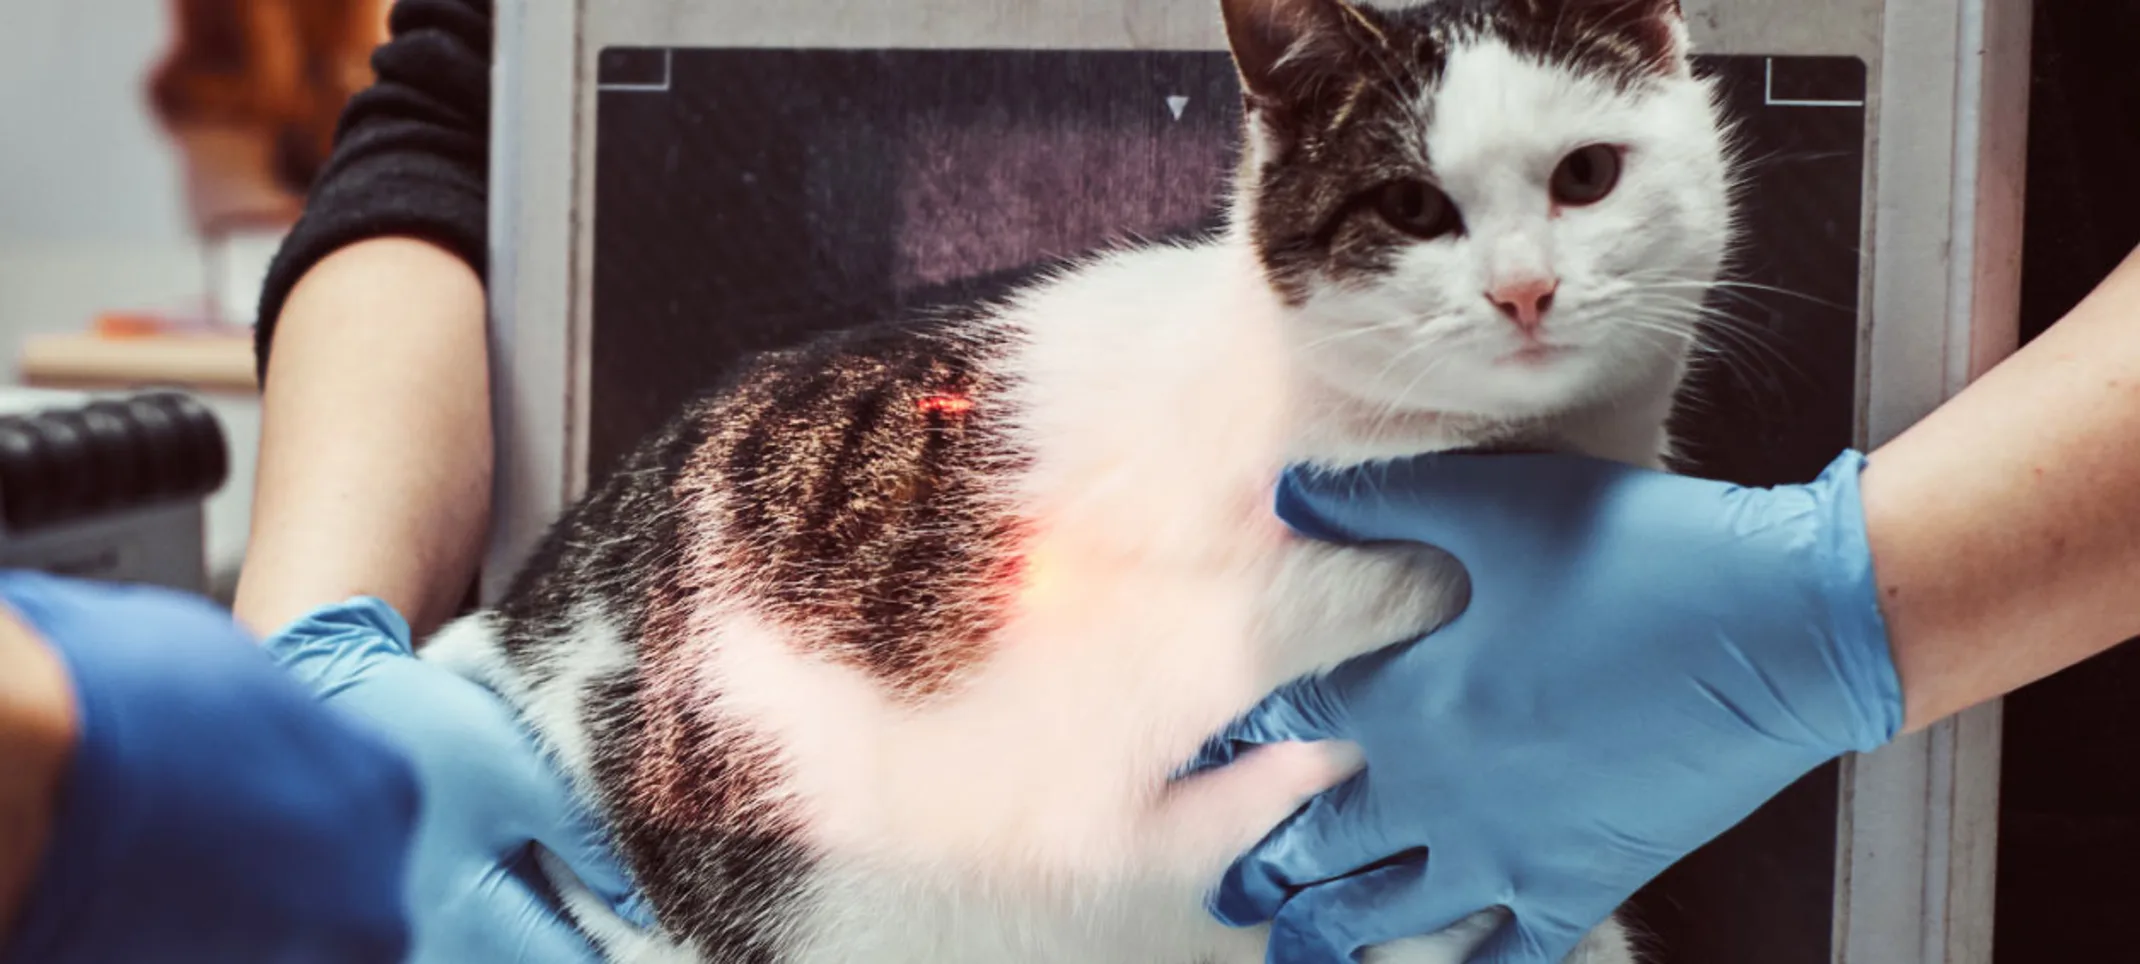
point(1467, 505)
point(1302, 711)
point(1332, 922)
point(1309, 710)
point(627, 917)
point(578, 842)
point(1320, 843)
point(637, 911)
point(548, 937)
point(509, 917)
point(332, 648)
point(1534, 938)
point(535, 803)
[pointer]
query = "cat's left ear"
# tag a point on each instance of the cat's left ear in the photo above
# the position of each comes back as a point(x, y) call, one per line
point(1288, 49)
point(1655, 28)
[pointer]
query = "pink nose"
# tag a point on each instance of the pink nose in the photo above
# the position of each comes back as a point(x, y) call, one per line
point(1525, 301)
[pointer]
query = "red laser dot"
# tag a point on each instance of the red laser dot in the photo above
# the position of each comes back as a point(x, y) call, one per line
point(945, 404)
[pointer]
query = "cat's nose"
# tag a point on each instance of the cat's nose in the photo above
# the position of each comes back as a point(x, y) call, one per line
point(1525, 301)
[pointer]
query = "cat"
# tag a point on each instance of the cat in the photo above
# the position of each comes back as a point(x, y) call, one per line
point(887, 650)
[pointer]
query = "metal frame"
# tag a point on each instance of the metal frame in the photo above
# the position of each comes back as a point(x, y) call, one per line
point(532, 271)
point(1915, 868)
point(1942, 234)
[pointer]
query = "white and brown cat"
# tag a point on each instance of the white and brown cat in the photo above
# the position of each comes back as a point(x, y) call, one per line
point(884, 651)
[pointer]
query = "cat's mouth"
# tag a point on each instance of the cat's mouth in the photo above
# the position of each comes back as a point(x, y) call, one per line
point(1535, 354)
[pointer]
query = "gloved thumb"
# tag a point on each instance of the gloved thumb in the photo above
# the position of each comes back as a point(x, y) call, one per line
point(337, 647)
point(577, 843)
point(505, 900)
point(1533, 939)
point(1394, 905)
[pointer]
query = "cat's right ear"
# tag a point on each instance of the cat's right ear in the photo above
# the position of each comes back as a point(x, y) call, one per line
point(1284, 48)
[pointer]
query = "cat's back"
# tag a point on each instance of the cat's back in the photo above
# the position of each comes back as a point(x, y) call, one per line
point(819, 597)
point(824, 481)
point(842, 495)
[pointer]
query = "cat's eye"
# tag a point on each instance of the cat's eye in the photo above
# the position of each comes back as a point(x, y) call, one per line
point(1587, 175)
point(1417, 208)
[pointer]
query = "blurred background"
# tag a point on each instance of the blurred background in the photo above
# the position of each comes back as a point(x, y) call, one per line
point(156, 151)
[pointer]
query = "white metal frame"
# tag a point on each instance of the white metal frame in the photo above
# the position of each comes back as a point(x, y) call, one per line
point(1947, 114)
point(1916, 861)
point(533, 268)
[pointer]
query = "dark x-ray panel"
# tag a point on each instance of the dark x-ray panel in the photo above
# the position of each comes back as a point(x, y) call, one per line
point(747, 199)
point(755, 197)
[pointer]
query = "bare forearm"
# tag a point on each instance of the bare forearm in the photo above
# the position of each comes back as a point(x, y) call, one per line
point(375, 452)
point(2005, 528)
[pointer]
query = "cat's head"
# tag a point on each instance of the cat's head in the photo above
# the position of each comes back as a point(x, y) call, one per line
point(1502, 209)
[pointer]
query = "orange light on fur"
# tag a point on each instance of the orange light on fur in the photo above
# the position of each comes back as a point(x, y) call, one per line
point(1037, 579)
point(945, 404)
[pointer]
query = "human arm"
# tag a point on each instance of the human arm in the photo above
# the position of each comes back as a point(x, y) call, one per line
point(375, 454)
point(2005, 527)
point(375, 450)
point(1647, 658)
point(171, 795)
point(374, 482)
point(374, 488)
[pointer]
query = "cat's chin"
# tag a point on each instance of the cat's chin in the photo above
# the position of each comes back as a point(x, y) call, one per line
point(1339, 430)
point(1345, 439)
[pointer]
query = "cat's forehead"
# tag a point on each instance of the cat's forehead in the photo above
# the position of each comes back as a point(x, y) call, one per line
point(1492, 103)
point(1482, 81)
point(1431, 32)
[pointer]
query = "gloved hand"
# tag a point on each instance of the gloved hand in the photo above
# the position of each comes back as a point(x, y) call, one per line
point(1645, 660)
point(475, 892)
point(212, 810)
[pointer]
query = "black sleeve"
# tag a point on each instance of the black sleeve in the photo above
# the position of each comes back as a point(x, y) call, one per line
point(411, 155)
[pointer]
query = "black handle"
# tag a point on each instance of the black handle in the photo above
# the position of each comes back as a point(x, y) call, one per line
point(65, 464)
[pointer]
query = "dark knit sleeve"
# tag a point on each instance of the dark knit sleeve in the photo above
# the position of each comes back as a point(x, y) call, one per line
point(411, 154)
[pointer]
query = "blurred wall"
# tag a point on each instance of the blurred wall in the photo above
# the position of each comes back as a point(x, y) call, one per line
point(82, 161)
point(92, 211)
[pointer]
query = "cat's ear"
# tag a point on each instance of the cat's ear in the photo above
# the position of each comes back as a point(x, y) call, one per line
point(1285, 47)
point(1656, 28)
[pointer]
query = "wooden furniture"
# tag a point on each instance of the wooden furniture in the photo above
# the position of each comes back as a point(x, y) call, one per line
point(208, 363)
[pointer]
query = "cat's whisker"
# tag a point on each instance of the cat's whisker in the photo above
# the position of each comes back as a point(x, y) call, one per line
point(1393, 406)
point(1744, 355)
point(1404, 356)
point(1735, 289)
point(1351, 333)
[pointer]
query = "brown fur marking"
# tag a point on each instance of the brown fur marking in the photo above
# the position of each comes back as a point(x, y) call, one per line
point(847, 486)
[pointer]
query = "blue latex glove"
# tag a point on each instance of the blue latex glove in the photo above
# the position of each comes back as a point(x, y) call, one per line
point(212, 811)
point(1645, 660)
point(490, 797)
